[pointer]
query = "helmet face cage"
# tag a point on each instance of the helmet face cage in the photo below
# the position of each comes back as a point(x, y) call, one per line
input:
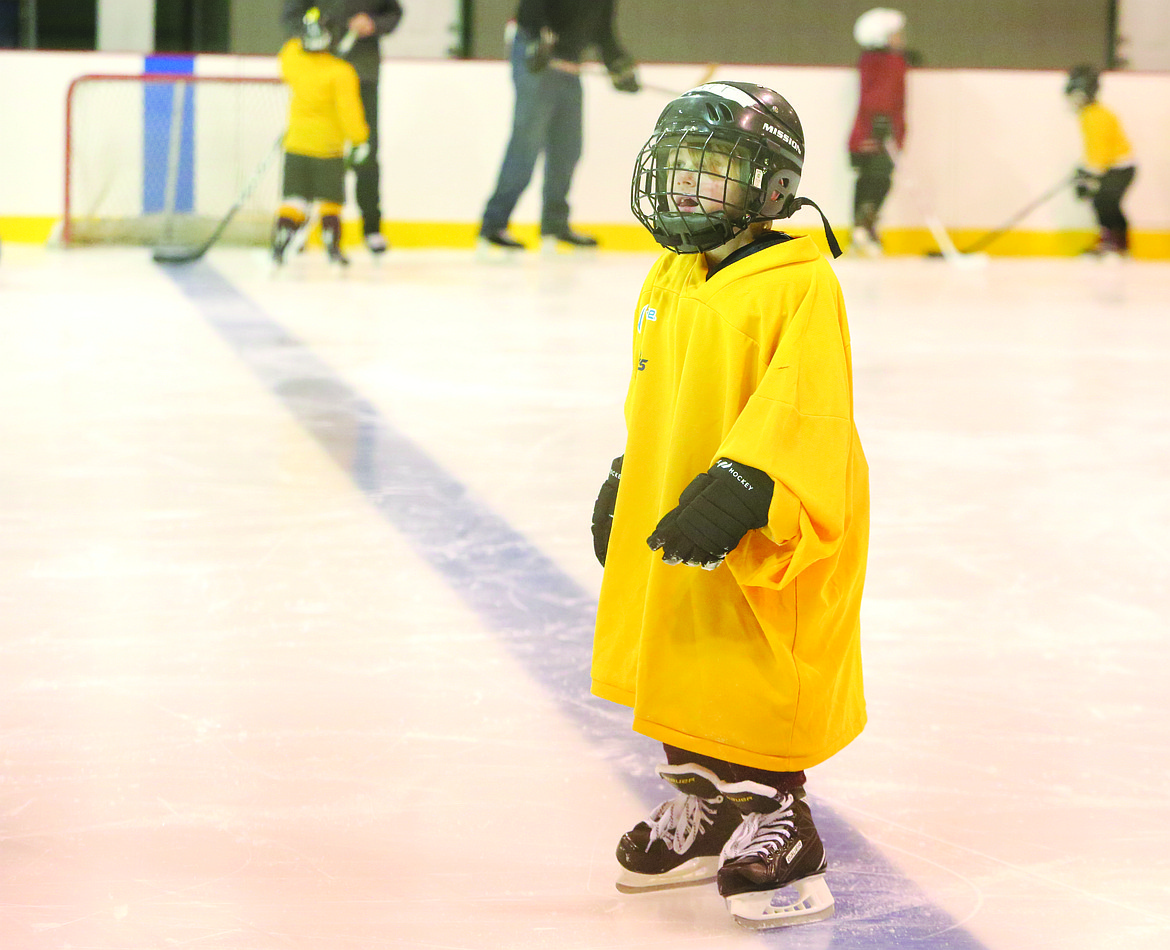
point(315, 35)
point(1083, 84)
point(696, 188)
point(708, 171)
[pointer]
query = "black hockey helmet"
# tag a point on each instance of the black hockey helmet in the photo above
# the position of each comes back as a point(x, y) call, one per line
point(1084, 80)
point(316, 35)
point(744, 139)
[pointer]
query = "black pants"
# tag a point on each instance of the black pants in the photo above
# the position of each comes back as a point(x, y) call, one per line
point(875, 175)
point(730, 772)
point(367, 175)
point(1107, 202)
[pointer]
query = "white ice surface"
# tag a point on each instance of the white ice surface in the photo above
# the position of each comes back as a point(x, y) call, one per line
point(241, 711)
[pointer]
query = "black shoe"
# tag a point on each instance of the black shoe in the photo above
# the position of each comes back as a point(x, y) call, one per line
point(575, 238)
point(681, 841)
point(501, 239)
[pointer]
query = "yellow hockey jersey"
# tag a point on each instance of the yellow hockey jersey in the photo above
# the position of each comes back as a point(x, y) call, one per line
point(1105, 143)
point(759, 661)
point(326, 109)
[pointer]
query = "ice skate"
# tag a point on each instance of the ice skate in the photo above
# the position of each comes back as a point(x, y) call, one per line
point(282, 236)
point(331, 236)
point(773, 867)
point(866, 243)
point(680, 843)
point(1110, 245)
point(377, 244)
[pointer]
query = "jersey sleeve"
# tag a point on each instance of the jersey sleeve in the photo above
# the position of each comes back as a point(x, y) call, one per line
point(349, 105)
point(798, 427)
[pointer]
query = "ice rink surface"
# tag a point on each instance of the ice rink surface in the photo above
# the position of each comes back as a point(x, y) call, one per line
point(297, 589)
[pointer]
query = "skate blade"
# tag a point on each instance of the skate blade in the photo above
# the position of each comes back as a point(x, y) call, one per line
point(689, 873)
point(768, 910)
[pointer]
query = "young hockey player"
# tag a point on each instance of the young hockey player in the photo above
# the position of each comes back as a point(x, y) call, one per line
point(738, 647)
point(881, 115)
point(365, 22)
point(324, 115)
point(1109, 169)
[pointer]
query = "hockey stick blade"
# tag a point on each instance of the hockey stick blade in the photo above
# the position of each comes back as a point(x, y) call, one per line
point(187, 255)
point(178, 255)
point(706, 76)
point(1019, 216)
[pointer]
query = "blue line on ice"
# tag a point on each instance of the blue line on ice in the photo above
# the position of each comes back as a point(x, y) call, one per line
point(540, 613)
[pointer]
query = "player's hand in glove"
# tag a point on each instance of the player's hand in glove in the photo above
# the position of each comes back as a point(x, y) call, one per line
point(603, 510)
point(623, 74)
point(714, 512)
point(1086, 184)
point(538, 52)
point(356, 154)
point(881, 128)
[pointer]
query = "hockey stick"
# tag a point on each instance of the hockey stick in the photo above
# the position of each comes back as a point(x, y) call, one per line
point(1021, 214)
point(950, 253)
point(185, 255)
point(346, 43)
point(662, 90)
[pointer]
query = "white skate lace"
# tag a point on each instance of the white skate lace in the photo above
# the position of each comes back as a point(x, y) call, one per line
point(762, 833)
point(680, 821)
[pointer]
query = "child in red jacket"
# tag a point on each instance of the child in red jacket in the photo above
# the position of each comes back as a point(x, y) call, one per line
point(880, 116)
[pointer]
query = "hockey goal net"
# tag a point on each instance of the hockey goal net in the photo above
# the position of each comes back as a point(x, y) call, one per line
point(162, 159)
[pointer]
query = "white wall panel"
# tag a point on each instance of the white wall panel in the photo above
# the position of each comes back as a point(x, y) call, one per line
point(981, 143)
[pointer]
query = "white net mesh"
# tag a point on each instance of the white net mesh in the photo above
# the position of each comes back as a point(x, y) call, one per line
point(162, 159)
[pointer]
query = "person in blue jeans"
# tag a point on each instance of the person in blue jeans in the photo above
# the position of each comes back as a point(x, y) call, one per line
point(546, 49)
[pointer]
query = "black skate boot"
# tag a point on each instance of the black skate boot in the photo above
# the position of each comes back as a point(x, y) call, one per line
point(680, 843)
point(331, 236)
point(776, 847)
point(282, 235)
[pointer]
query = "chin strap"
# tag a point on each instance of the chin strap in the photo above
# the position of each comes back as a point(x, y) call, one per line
point(829, 235)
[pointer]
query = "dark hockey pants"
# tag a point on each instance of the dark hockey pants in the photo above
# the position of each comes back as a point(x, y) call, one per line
point(875, 175)
point(1107, 203)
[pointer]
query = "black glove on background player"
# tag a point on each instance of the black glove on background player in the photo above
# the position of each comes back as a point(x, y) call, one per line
point(538, 52)
point(714, 512)
point(623, 74)
point(881, 128)
point(603, 510)
point(1086, 184)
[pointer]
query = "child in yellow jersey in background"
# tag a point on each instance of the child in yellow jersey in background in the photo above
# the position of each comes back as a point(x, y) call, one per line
point(738, 646)
point(326, 128)
point(1109, 169)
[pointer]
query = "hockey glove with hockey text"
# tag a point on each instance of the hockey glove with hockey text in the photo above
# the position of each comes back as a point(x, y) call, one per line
point(603, 510)
point(538, 52)
point(714, 512)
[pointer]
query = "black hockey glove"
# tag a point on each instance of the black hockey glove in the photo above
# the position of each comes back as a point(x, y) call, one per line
point(603, 510)
point(881, 128)
point(714, 512)
point(538, 52)
point(623, 74)
point(1086, 184)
